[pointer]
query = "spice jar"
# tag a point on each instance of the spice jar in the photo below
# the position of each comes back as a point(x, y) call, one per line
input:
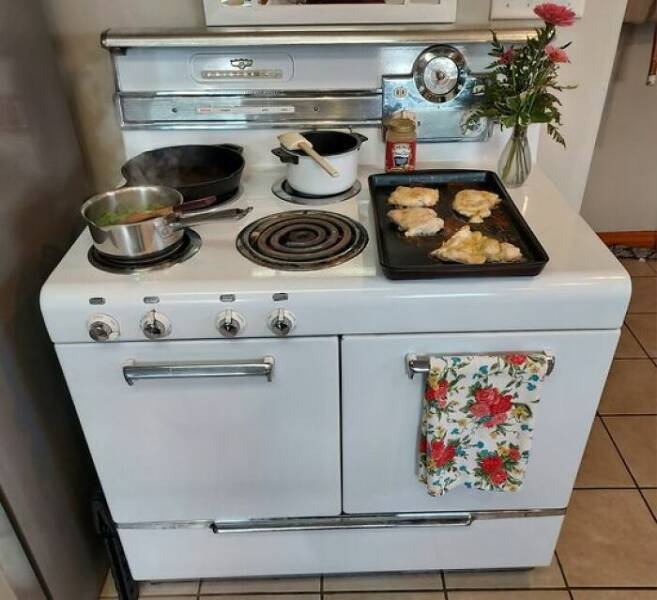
point(401, 145)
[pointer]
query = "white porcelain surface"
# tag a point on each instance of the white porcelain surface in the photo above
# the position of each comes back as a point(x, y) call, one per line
point(582, 287)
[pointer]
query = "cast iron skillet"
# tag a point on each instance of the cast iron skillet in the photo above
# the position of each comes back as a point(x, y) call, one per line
point(197, 172)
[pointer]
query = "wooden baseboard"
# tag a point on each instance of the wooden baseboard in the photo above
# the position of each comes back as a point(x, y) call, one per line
point(636, 239)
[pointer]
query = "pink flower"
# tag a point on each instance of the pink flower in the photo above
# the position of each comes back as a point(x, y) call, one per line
point(554, 14)
point(507, 56)
point(556, 55)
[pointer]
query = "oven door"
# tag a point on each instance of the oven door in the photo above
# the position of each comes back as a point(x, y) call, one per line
point(381, 415)
point(173, 438)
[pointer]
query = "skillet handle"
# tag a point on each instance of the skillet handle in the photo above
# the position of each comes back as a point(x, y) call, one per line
point(235, 147)
point(285, 156)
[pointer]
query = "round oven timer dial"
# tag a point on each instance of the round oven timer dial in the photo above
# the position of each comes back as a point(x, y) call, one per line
point(439, 73)
point(103, 328)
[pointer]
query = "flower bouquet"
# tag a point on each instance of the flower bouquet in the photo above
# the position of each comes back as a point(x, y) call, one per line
point(519, 90)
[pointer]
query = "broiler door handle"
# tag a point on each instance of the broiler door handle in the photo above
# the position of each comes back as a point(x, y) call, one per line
point(257, 367)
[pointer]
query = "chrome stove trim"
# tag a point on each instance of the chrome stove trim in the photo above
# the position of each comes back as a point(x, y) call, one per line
point(235, 110)
point(280, 191)
point(226, 37)
point(422, 364)
point(356, 521)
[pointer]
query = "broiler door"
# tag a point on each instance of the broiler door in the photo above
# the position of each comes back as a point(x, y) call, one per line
point(381, 416)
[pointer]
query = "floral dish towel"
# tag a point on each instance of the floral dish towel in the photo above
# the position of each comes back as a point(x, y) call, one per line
point(477, 421)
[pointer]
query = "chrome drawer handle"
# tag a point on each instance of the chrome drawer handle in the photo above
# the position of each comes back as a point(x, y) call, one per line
point(257, 367)
point(422, 364)
point(371, 521)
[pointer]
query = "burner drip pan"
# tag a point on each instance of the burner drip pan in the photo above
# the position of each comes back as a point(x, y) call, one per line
point(188, 246)
point(285, 191)
point(302, 240)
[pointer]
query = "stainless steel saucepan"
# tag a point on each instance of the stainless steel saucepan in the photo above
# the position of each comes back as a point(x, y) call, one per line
point(148, 237)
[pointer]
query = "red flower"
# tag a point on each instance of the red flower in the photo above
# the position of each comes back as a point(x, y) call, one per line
point(495, 420)
point(486, 395)
point(516, 359)
point(556, 55)
point(441, 454)
point(507, 56)
point(423, 445)
point(492, 464)
point(499, 477)
point(480, 410)
point(514, 454)
point(501, 404)
point(438, 393)
point(555, 14)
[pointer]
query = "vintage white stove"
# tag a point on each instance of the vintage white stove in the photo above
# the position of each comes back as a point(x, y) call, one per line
point(248, 420)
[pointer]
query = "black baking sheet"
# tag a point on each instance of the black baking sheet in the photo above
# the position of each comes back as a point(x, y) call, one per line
point(408, 258)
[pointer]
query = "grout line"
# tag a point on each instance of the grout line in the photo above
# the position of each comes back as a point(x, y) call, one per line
point(638, 487)
point(629, 414)
point(638, 341)
point(613, 441)
point(654, 514)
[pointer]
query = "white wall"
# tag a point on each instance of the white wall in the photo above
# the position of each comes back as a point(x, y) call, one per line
point(595, 38)
point(622, 189)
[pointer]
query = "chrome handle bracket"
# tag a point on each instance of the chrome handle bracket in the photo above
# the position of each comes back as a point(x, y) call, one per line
point(422, 364)
point(263, 367)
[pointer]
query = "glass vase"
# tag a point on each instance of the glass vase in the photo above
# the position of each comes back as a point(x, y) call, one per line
point(516, 159)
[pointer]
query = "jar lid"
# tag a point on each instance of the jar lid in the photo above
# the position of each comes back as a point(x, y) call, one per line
point(402, 125)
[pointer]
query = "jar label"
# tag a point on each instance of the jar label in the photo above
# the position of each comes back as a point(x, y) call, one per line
point(400, 156)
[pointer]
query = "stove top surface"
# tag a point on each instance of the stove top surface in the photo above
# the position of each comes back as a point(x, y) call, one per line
point(352, 296)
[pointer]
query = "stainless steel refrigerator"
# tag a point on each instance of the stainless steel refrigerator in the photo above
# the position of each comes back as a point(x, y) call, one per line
point(48, 547)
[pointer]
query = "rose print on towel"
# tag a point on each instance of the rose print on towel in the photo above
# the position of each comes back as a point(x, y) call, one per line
point(477, 421)
point(490, 407)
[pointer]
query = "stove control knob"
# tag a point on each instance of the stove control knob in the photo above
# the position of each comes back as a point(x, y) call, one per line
point(230, 323)
point(281, 322)
point(103, 328)
point(155, 325)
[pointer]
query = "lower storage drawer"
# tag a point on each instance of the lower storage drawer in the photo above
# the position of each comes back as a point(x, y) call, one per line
point(199, 553)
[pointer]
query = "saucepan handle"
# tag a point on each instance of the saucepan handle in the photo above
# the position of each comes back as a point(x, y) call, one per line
point(195, 218)
point(360, 137)
point(285, 155)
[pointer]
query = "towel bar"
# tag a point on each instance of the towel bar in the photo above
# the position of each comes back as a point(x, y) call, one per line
point(421, 364)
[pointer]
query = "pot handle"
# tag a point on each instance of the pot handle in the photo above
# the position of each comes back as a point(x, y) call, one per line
point(182, 220)
point(360, 137)
point(285, 155)
point(235, 147)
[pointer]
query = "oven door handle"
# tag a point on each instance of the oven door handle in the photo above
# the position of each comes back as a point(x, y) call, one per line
point(422, 364)
point(257, 367)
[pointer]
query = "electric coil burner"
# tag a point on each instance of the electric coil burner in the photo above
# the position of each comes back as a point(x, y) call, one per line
point(285, 191)
point(188, 246)
point(302, 240)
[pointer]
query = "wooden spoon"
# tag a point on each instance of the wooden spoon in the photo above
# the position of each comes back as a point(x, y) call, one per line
point(138, 217)
point(295, 141)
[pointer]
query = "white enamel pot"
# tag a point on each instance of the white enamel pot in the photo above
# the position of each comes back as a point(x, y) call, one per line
point(305, 176)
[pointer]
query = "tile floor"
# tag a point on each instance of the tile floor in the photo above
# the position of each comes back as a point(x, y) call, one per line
point(608, 545)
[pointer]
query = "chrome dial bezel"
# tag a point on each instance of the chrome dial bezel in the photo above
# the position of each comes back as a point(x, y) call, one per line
point(423, 64)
